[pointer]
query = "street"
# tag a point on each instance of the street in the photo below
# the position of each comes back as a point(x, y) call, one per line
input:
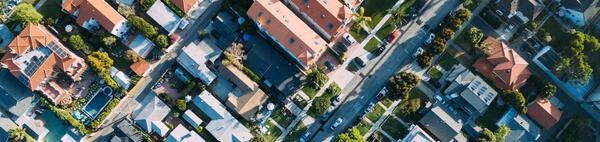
point(130, 102)
point(361, 90)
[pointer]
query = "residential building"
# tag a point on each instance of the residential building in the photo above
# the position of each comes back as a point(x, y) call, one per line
point(192, 118)
point(470, 94)
point(187, 6)
point(120, 77)
point(35, 57)
point(126, 132)
point(246, 97)
point(329, 18)
point(35, 129)
point(91, 14)
point(579, 12)
point(290, 34)
point(181, 134)
point(17, 101)
point(223, 126)
point(165, 17)
point(522, 11)
point(544, 113)
point(150, 116)
point(5, 36)
point(504, 66)
point(416, 134)
point(6, 125)
point(441, 122)
point(196, 56)
point(139, 44)
point(70, 136)
point(522, 129)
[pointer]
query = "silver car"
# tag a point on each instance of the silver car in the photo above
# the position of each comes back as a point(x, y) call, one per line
point(336, 123)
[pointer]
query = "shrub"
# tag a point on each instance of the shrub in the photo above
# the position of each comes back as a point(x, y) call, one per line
point(65, 116)
point(516, 99)
point(107, 110)
point(109, 40)
point(320, 106)
point(401, 84)
point(181, 104)
point(125, 10)
point(161, 41)
point(100, 61)
point(131, 56)
point(353, 135)
point(77, 43)
point(141, 25)
point(26, 13)
point(424, 59)
point(146, 4)
point(548, 91)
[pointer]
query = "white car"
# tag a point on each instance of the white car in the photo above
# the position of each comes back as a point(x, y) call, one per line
point(509, 28)
point(430, 38)
point(382, 93)
point(336, 123)
point(337, 100)
point(349, 38)
point(418, 52)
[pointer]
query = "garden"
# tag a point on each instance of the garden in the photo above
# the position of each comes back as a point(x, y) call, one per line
point(376, 113)
point(408, 109)
point(322, 103)
point(296, 134)
point(372, 45)
point(377, 9)
point(283, 116)
point(394, 128)
point(315, 79)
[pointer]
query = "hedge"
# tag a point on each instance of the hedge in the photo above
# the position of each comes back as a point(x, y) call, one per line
point(107, 110)
point(65, 116)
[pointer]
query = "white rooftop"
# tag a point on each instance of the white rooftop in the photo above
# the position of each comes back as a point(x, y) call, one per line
point(192, 118)
point(141, 45)
point(181, 134)
point(121, 78)
point(167, 19)
point(194, 58)
point(223, 125)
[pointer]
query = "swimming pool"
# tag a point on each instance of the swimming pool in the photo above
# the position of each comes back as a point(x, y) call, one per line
point(98, 102)
point(57, 127)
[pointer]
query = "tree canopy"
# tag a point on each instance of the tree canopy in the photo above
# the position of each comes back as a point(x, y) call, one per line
point(516, 99)
point(141, 25)
point(548, 91)
point(401, 84)
point(488, 136)
point(424, 59)
point(353, 135)
point(77, 43)
point(100, 61)
point(26, 13)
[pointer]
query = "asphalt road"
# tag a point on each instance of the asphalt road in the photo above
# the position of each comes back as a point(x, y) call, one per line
point(362, 90)
point(143, 87)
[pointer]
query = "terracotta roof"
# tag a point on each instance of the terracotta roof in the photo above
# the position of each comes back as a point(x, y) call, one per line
point(330, 15)
point(140, 67)
point(281, 23)
point(544, 113)
point(185, 5)
point(503, 65)
point(97, 9)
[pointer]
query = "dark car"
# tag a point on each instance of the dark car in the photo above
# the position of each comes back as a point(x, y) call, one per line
point(329, 65)
point(359, 62)
point(426, 27)
point(343, 47)
point(379, 50)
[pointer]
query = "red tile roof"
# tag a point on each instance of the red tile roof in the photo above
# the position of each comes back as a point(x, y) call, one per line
point(101, 11)
point(281, 23)
point(185, 5)
point(326, 13)
point(140, 67)
point(503, 65)
point(544, 113)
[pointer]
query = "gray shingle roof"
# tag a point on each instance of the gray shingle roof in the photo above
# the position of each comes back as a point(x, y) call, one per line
point(16, 98)
point(442, 123)
point(153, 110)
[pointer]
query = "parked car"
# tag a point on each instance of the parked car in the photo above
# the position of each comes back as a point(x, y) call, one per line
point(337, 100)
point(379, 50)
point(359, 62)
point(329, 65)
point(382, 93)
point(336, 123)
point(393, 36)
point(430, 38)
point(370, 107)
point(304, 137)
point(509, 28)
point(349, 39)
point(418, 52)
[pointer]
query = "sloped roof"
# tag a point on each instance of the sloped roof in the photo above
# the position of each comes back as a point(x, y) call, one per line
point(474, 90)
point(140, 67)
point(503, 65)
point(281, 23)
point(100, 10)
point(544, 113)
point(192, 118)
point(181, 134)
point(229, 129)
point(164, 16)
point(16, 98)
point(153, 109)
point(442, 124)
point(330, 15)
point(210, 105)
point(185, 5)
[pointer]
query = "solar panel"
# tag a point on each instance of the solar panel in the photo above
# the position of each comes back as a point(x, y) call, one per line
point(59, 51)
point(34, 64)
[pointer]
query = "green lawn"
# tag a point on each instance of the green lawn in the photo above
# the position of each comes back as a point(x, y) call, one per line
point(311, 92)
point(376, 9)
point(434, 73)
point(386, 101)
point(394, 128)
point(376, 113)
point(447, 61)
point(51, 8)
point(372, 45)
point(273, 132)
point(358, 34)
point(490, 117)
point(386, 30)
point(280, 118)
point(377, 136)
point(363, 127)
point(296, 133)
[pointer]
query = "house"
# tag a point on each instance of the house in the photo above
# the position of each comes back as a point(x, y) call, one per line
point(522, 129)
point(192, 118)
point(35, 129)
point(223, 126)
point(91, 14)
point(522, 11)
point(6, 125)
point(5, 36)
point(278, 23)
point(544, 113)
point(188, 6)
point(126, 132)
point(441, 122)
point(246, 96)
point(140, 67)
point(121, 78)
point(150, 116)
point(35, 57)
point(17, 100)
point(139, 44)
point(579, 12)
point(471, 94)
point(181, 134)
point(503, 65)
point(165, 17)
point(71, 136)
point(329, 18)
point(196, 56)
point(416, 134)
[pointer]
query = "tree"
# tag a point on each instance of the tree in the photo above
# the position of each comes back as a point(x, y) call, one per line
point(316, 78)
point(141, 25)
point(100, 61)
point(131, 56)
point(408, 109)
point(516, 99)
point(398, 16)
point(592, 43)
point(360, 19)
point(424, 59)
point(320, 106)
point(401, 84)
point(455, 23)
point(146, 4)
point(353, 135)
point(447, 33)
point(161, 41)
point(476, 36)
point(237, 51)
point(109, 40)
point(17, 134)
point(498, 136)
point(26, 13)
point(78, 44)
point(548, 91)
point(437, 45)
point(463, 14)
point(181, 104)
point(486, 136)
point(126, 10)
point(546, 37)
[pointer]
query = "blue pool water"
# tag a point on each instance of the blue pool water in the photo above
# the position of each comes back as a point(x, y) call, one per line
point(97, 103)
point(57, 127)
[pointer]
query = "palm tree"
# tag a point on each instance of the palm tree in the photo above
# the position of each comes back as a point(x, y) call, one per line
point(398, 17)
point(17, 134)
point(360, 18)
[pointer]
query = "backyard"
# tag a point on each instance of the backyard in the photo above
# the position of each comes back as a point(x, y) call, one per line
point(376, 113)
point(554, 29)
point(376, 9)
point(310, 91)
point(272, 132)
point(282, 116)
point(363, 126)
point(489, 118)
point(434, 73)
point(51, 9)
point(394, 128)
point(294, 135)
point(372, 45)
